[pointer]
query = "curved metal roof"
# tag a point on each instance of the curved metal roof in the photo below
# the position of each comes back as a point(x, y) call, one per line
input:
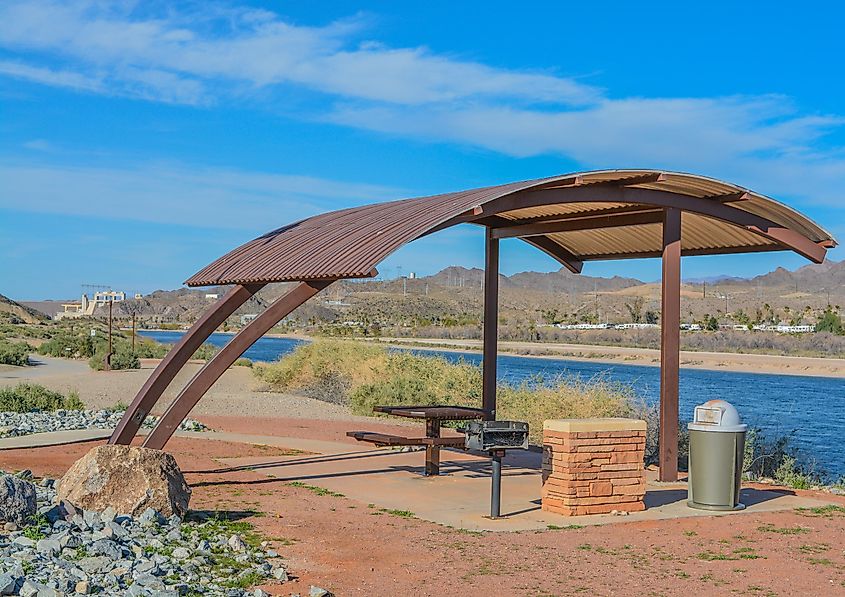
point(609, 214)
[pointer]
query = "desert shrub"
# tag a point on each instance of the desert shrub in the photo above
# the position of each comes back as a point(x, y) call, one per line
point(68, 345)
point(775, 459)
point(122, 359)
point(242, 362)
point(14, 353)
point(408, 379)
point(150, 349)
point(317, 367)
point(564, 397)
point(364, 375)
point(205, 352)
point(26, 397)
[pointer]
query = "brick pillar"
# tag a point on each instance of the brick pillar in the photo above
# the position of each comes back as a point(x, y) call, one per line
point(593, 466)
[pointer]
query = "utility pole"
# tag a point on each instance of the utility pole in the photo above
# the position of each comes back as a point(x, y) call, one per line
point(704, 289)
point(108, 354)
point(404, 287)
point(133, 330)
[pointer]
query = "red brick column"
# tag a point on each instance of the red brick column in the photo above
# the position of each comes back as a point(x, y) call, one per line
point(593, 466)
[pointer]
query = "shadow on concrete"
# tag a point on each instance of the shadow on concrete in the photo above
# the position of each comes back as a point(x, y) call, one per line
point(655, 498)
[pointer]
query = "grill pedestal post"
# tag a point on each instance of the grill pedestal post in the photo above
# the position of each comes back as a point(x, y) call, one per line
point(496, 486)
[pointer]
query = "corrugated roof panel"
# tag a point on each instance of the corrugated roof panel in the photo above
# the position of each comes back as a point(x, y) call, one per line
point(349, 243)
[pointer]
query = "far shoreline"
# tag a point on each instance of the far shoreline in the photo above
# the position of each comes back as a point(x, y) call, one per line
point(710, 361)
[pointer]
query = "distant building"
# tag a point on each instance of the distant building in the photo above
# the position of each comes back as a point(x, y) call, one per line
point(245, 319)
point(212, 296)
point(86, 306)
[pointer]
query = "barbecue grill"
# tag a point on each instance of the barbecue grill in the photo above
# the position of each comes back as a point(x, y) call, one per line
point(495, 437)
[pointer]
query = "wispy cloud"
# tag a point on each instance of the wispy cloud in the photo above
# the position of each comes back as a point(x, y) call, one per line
point(206, 51)
point(201, 53)
point(185, 195)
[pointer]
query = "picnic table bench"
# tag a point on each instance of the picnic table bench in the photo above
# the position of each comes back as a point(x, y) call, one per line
point(432, 441)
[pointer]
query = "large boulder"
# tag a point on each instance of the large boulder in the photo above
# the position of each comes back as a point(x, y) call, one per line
point(17, 499)
point(128, 479)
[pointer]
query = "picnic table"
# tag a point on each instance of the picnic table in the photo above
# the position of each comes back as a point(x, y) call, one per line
point(432, 441)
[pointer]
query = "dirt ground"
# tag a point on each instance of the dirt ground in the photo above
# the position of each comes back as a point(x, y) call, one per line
point(352, 549)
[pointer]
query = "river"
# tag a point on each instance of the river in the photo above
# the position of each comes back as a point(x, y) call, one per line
point(812, 409)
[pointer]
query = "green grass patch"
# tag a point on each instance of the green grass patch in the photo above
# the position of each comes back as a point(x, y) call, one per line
point(314, 489)
point(569, 527)
point(27, 397)
point(770, 528)
point(828, 511)
point(399, 513)
point(814, 548)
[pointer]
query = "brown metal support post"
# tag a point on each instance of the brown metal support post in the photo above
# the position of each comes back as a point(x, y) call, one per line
point(216, 366)
point(173, 362)
point(491, 324)
point(670, 340)
point(432, 453)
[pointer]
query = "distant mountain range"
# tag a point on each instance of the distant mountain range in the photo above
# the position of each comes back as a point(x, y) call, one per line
point(456, 290)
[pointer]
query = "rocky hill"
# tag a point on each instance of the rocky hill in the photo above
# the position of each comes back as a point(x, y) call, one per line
point(13, 312)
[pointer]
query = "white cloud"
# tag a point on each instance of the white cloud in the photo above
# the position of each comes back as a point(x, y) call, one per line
point(183, 195)
point(181, 57)
point(205, 52)
point(47, 76)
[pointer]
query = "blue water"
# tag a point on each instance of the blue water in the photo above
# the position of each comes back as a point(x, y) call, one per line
point(813, 408)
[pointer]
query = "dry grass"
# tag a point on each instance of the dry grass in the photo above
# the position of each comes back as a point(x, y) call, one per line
point(364, 375)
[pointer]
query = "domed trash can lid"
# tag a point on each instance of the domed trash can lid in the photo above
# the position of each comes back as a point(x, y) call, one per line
point(717, 415)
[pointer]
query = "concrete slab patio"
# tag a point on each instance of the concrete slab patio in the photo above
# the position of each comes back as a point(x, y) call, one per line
point(393, 480)
point(460, 497)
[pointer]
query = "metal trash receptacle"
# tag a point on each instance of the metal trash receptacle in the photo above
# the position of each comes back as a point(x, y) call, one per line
point(716, 450)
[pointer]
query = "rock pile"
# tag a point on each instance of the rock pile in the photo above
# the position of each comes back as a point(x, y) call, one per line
point(13, 424)
point(65, 551)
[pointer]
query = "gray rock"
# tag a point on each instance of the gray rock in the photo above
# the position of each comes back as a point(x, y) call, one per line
point(318, 592)
point(8, 584)
point(94, 564)
point(108, 515)
point(48, 546)
point(106, 547)
point(18, 500)
point(236, 543)
point(23, 541)
point(281, 574)
point(260, 593)
point(180, 553)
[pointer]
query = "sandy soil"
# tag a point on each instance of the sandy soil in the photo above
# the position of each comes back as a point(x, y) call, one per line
point(235, 393)
point(343, 545)
point(716, 361)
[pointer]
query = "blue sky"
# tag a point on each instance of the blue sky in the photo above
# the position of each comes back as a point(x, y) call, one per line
point(139, 141)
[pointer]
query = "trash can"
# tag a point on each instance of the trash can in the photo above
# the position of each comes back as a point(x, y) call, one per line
point(716, 449)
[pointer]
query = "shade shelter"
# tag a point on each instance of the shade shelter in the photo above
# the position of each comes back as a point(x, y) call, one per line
point(589, 216)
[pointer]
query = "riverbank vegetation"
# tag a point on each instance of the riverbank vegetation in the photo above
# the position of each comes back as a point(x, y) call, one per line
point(363, 375)
point(85, 338)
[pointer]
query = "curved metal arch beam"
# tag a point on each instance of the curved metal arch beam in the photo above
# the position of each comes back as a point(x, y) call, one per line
point(214, 368)
point(173, 362)
point(786, 237)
